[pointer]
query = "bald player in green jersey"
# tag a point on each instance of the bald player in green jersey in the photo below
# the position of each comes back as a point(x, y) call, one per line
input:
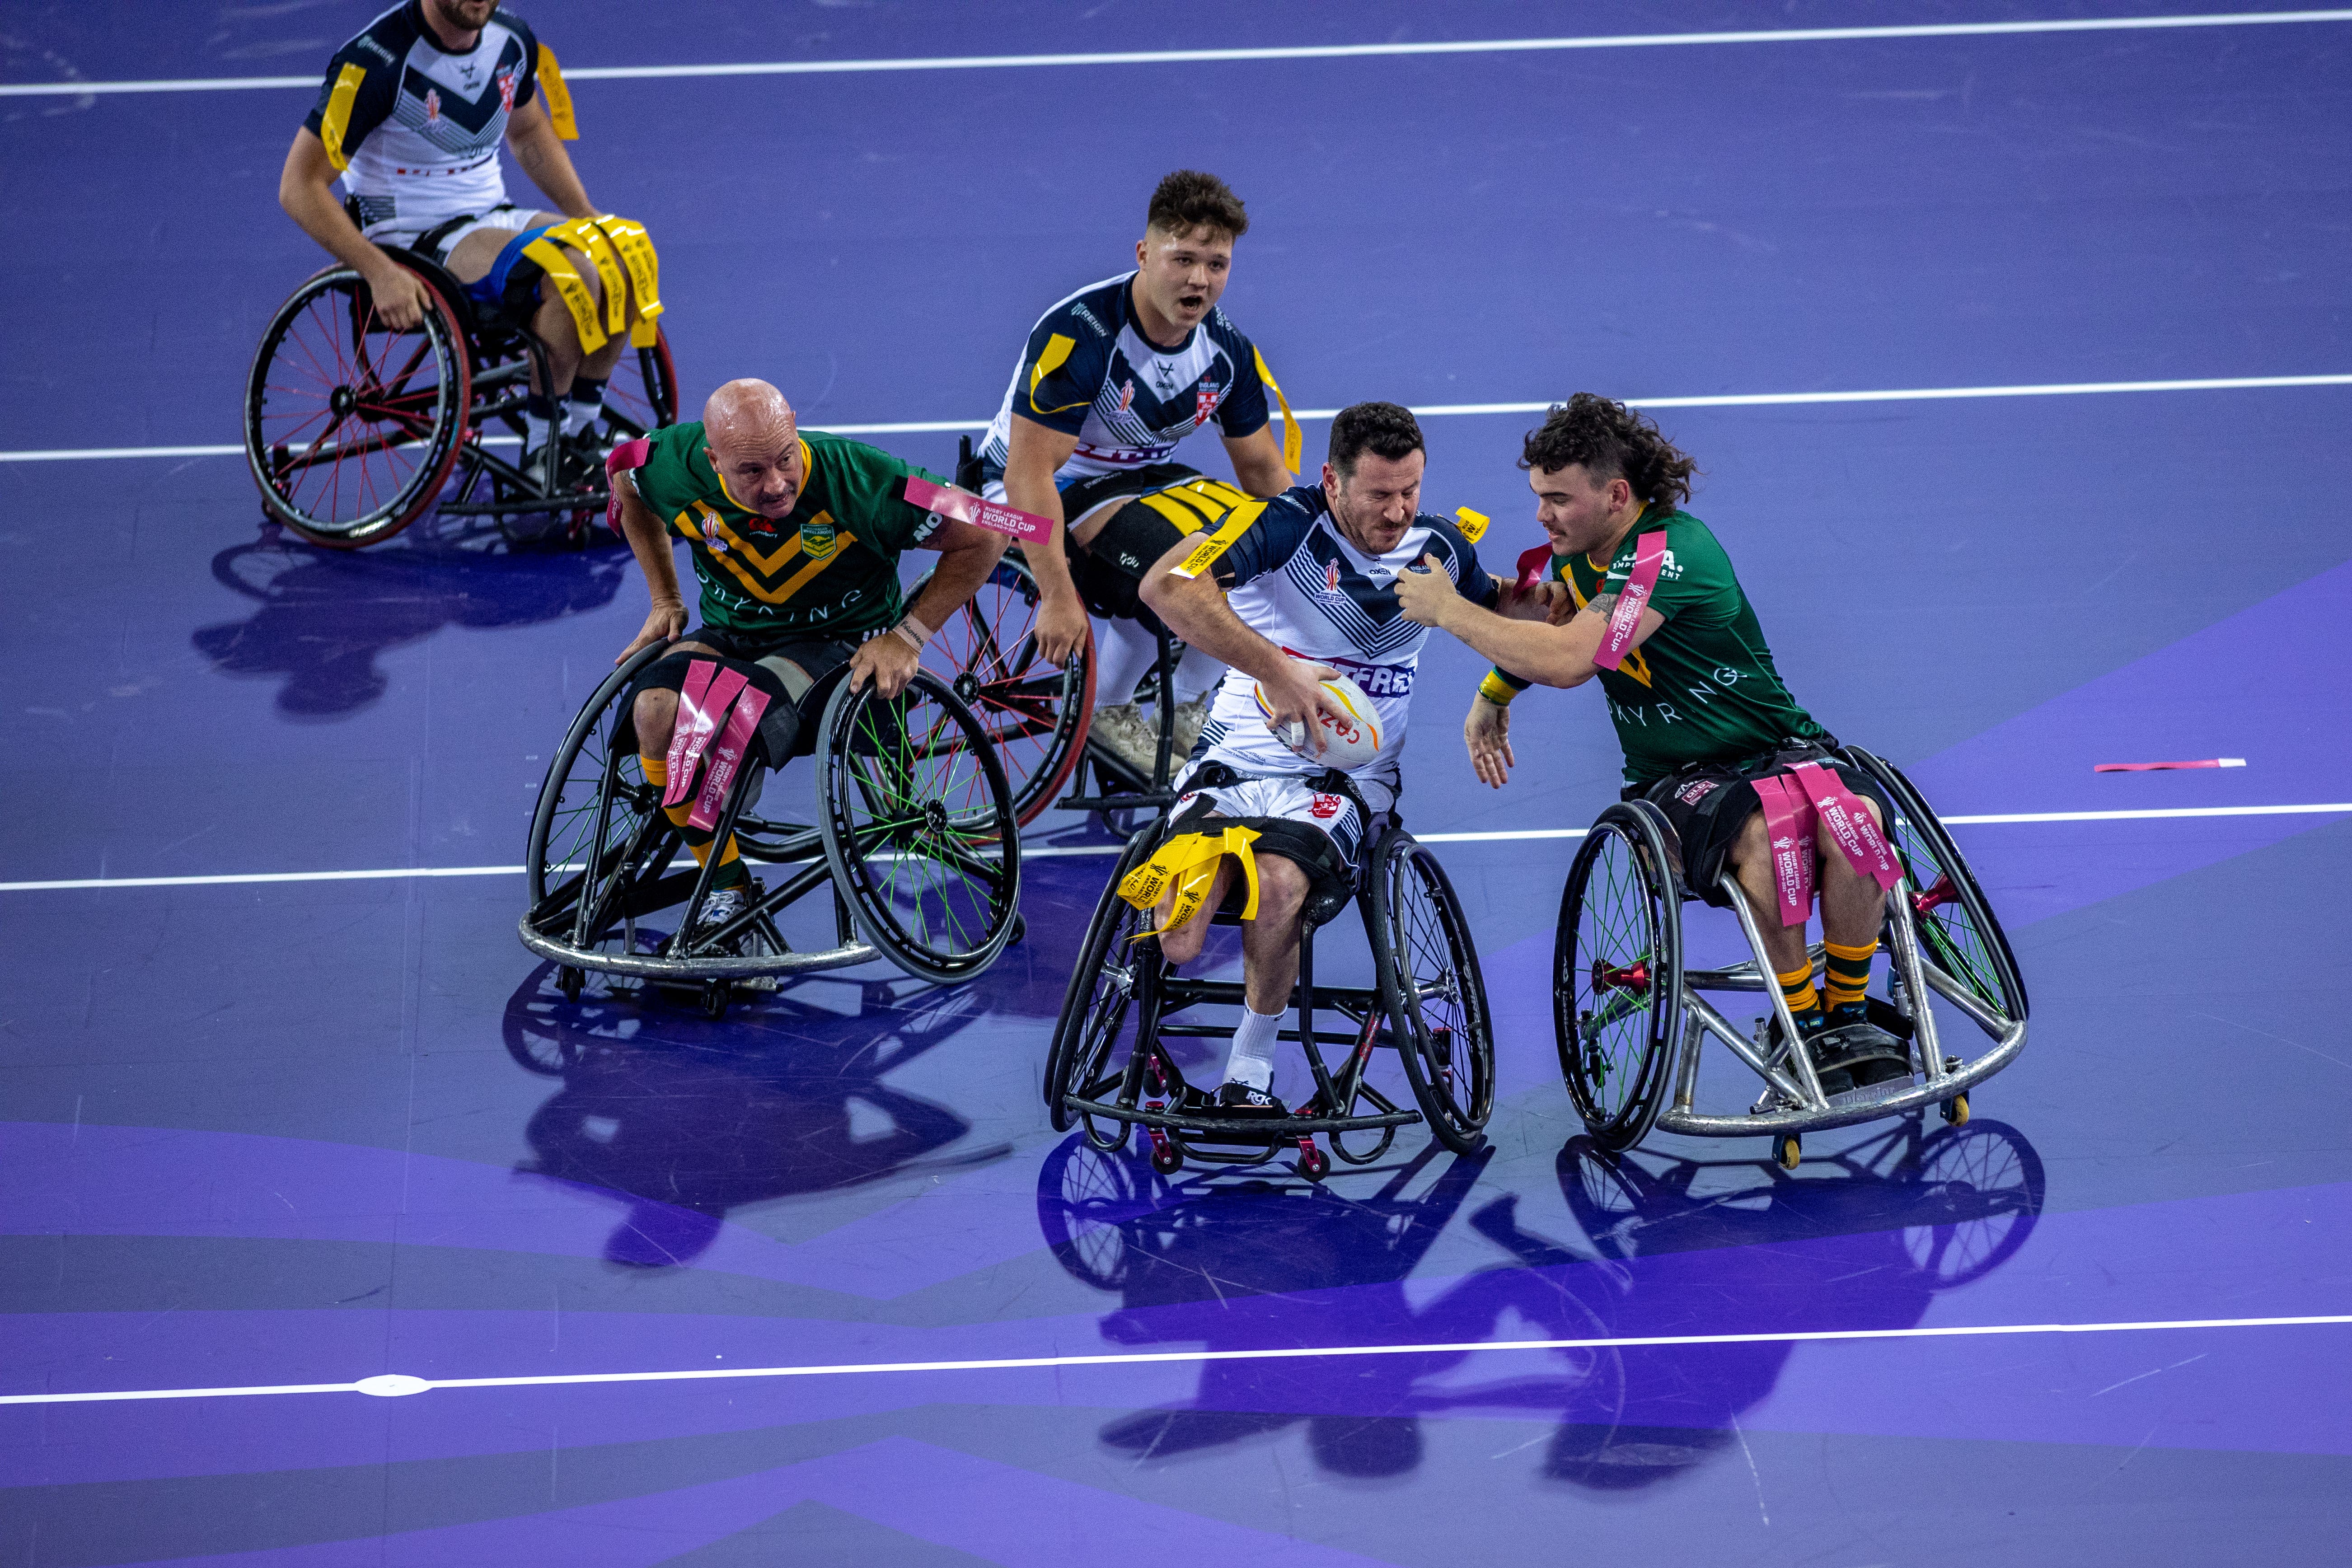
point(1700, 709)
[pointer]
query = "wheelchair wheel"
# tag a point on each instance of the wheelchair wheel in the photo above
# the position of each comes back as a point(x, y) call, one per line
point(918, 828)
point(1084, 1059)
point(1956, 930)
point(1431, 990)
point(1035, 714)
point(642, 395)
point(1617, 974)
point(600, 847)
point(350, 427)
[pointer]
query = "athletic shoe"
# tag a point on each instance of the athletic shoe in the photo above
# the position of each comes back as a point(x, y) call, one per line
point(1863, 1054)
point(1122, 732)
point(1190, 718)
point(723, 905)
point(1249, 1100)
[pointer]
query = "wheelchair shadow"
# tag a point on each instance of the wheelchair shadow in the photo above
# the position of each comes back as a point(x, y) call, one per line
point(325, 617)
point(1672, 1246)
point(695, 1119)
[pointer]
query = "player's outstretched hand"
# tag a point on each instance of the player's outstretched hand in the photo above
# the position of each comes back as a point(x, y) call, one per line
point(1487, 734)
point(1426, 593)
point(889, 662)
point(1296, 697)
point(1061, 625)
point(666, 623)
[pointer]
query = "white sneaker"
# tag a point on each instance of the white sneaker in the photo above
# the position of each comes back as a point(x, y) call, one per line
point(1190, 719)
point(723, 905)
point(1121, 728)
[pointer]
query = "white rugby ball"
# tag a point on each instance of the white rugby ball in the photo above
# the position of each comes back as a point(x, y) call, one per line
point(1348, 743)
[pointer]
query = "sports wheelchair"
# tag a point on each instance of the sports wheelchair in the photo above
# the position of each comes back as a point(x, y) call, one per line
point(914, 835)
point(1427, 1004)
point(353, 430)
point(1630, 1018)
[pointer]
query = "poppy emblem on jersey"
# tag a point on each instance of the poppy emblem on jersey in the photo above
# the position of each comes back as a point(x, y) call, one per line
point(1324, 808)
point(432, 105)
point(818, 540)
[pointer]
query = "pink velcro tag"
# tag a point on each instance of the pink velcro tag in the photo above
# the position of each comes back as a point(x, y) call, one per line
point(628, 455)
point(1625, 620)
point(727, 757)
point(965, 506)
point(699, 708)
point(1789, 831)
point(1850, 824)
point(1533, 565)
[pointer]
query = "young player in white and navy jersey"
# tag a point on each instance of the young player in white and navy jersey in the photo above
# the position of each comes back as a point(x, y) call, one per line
point(1306, 586)
point(1108, 382)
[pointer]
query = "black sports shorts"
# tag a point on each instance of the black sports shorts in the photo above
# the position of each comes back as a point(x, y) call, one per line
point(788, 726)
point(1108, 569)
point(1708, 802)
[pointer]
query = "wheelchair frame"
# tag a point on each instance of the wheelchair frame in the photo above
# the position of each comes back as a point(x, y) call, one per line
point(643, 874)
point(483, 364)
point(1792, 1102)
point(1148, 1091)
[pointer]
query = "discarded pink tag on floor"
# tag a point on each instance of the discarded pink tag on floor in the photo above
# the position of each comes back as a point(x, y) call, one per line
point(1625, 620)
point(1849, 823)
point(2167, 767)
point(727, 757)
point(708, 691)
point(1789, 831)
point(626, 456)
point(965, 506)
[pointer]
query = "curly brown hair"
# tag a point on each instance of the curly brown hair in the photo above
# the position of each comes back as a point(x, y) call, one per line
point(1188, 199)
point(1610, 441)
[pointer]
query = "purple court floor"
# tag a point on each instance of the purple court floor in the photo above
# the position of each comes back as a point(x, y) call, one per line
point(285, 1107)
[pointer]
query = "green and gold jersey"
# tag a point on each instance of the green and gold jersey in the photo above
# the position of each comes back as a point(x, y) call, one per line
point(1703, 688)
point(830, 568)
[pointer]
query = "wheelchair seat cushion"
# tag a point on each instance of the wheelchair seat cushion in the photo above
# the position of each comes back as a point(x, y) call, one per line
point(1708, 804)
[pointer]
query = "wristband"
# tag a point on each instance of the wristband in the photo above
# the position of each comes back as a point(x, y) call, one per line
point(915, 633)
point(1499, 688)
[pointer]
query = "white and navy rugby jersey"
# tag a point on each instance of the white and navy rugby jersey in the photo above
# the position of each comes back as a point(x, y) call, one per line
point(1088, 371)
point(415, 129)
point(1293, 580)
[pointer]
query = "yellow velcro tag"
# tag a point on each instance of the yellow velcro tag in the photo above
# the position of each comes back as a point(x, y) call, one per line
point(559, 96)
point(1473, 523)
point(1294, 443)
point(1186, 520)
point(1189, 861)
point(576, 298)
point(581, 234)
point(338, 117)
point(637, 253)
point(1205, 554)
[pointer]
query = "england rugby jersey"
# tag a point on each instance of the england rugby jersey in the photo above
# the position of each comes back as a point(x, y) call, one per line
point(415, 129)
point(1088, 371)
point(1293, 580)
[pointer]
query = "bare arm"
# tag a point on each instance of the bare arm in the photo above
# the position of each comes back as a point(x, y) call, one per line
point(649, 543)
point(306, 190)
point(967, 555)
point(1035, 452)
point(541, 152)
point(1195, 609)
point(1257, 461)
point(1549, 655)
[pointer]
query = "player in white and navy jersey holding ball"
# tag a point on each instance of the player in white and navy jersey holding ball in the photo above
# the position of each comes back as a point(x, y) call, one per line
point(1297, 595)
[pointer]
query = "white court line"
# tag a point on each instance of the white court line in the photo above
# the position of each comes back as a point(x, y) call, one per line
point(1293, 52)
point(394, 1384)
point(1052, 851)
point(1436, 410)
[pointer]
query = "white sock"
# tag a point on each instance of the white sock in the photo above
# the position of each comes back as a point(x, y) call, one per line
point(1252, 1060)
point(534, 431)
point(1124, 654)
point(578, 416)
point(1196, 672)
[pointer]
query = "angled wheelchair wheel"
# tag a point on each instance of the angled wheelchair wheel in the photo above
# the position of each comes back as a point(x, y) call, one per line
point(1617, 974)
point(1035, 713)
point(1085, 1058)
point(352, 427)
point(642, 395)
point(600, 848)
point(918, 828)
point(1431, 990)
point(1958, 932)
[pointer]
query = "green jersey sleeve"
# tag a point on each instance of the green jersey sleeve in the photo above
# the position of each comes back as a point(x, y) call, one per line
point(1695, 584)
point(675, 474)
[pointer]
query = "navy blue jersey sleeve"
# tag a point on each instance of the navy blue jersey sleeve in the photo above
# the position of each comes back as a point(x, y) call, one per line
point(360, 89)
point(1461, 557)
point(1270, 533)
point(1063, 366)
point(527, 82)
point(1244, 411)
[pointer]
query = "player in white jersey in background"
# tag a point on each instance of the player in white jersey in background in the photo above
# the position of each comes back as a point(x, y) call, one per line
point(1306, 586)
point(1108, 382)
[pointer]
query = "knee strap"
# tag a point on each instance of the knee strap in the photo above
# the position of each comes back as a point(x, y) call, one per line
point(1189, 860)
point(556, 268)
point(583, 235)
point(644, 264)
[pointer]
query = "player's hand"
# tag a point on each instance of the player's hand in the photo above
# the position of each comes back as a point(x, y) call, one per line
point(666, 624)
point(1487, 734)
point(1061, 625)
point(887, 661)
point(1426, 593)
point(1560, 605)
point(1296, 696)
point(399, 296)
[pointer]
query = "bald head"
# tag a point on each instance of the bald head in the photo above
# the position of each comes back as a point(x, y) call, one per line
point(752, 439)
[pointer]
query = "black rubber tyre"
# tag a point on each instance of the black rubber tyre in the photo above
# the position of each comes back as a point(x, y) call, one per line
point(642, 395)
point(1084, 1059)
point(1617, 974)
point(590, 792)
point(918, 828)
point(1036, 714)
point(1432, 989)
point(1314, 1165)
point(1958, 932)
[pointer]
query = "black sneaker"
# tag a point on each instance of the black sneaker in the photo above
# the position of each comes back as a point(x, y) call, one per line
point(1860, 1052)
point(1239, 1096)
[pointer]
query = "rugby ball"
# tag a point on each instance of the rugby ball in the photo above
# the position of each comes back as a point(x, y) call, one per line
point(1348, 743)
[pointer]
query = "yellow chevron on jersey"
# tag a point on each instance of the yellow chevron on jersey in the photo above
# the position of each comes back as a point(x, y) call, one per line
point(338, 117)
point(1057, 349)
point(1634, 664)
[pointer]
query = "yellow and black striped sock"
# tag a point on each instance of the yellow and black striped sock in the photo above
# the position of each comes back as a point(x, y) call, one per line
point(1804, 1001)
point(1849, 975)
point(698, 840)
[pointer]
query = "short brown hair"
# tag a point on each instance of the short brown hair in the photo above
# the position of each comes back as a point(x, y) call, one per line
point(1188, 199)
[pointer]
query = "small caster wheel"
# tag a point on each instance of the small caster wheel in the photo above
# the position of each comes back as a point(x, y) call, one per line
point(1020, 931)
point(570, 981)
point(714, 999)
point(1956, 1109)
point(1788, 1149)
point(1313, 1164)
point(1167, 1159)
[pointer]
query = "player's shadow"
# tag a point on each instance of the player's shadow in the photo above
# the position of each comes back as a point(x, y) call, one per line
point(324, 618)
point(693, 1119)
point(1863, 1240)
